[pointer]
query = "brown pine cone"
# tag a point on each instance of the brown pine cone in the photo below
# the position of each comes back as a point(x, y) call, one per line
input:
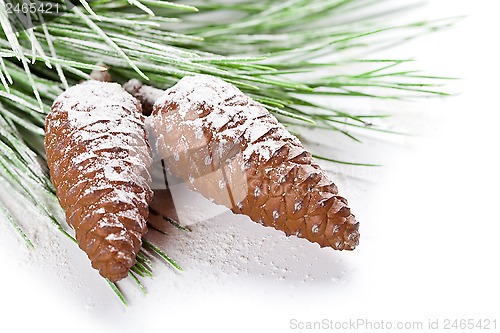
point(99, 156)
point(233, 151)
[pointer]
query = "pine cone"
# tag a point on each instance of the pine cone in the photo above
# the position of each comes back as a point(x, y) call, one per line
point(234, 152)
point(99, 155)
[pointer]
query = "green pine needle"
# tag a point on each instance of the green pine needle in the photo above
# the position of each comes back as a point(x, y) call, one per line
point(162, 254)
point(169, 5)
point(6, 215)
point(345, 162)
point(138, 283)
point(117, 292)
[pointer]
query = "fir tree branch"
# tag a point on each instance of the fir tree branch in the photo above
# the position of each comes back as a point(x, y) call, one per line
point(261, 48)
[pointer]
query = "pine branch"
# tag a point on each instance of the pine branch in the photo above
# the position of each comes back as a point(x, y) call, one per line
point(262, 48)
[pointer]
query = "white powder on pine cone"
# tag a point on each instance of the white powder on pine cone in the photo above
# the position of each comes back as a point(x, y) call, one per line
point(215, 94)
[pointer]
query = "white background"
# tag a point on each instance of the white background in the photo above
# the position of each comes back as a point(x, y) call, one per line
point(429, 222)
